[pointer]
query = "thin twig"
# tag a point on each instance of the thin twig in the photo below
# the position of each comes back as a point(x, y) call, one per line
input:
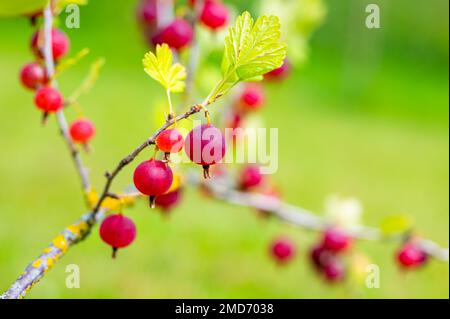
point(222, 188)
point(129, 158)
point(60, 116)
point(50, 255)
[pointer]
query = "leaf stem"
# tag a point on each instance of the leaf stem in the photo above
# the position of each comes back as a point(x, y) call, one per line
point(169, 98)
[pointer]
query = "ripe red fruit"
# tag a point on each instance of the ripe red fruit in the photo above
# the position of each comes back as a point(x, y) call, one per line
point(411, 256)
point(117, 231)
point(33, 75)
point(82, 131)
point(282, 250)
point(318, 256)
point(177, 35)
point(333, 270)
point(214, 15)
point(147, 12)
point(169, 200)
point(252, 98)
point(170, 141)
point(153, 178)
point(250, 177)
point(205, 145)
point(280, 73)
point(336, 240)
point(60, 44)
point(48, 100)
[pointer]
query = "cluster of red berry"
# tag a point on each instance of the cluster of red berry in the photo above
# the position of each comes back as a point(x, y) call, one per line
point(47, 98)
point(326, 256)
point(204, 145)
point(178, 33)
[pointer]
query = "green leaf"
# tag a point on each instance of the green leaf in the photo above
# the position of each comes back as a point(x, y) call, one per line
point(253, 49)
point(395, 224)
point(161, 69)
point(20, 7)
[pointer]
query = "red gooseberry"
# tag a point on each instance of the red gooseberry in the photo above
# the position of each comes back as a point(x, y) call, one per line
point(280, 73)
point(147, 12)
point(48, 100)
point(333, 270)
point(170, 141)
point(252, 98)
point(336, 240)
point(411, 256)
point(205, 145)
point(118, 231)
point(214, 14)
point(153, 178)
point(33, 75)
point(282, 249)
point(82, 131)
point(168, 200)
point(177, 35)
point(250, 177)
point(60, 44)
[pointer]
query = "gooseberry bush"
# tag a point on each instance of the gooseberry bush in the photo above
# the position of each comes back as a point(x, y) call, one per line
point(254, 55)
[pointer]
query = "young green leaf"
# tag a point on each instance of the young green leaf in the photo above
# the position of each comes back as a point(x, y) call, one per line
point(395, 224)
point(161, 69)
point(253, 49)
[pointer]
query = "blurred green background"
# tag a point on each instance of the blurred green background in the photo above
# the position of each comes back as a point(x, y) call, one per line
point(366, 117)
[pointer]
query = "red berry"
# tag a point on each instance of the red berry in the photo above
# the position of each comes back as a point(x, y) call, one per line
point(33, 75)
point(167, 201)
point(177, 35)
point(214, 15)
point(282, 250)
point(117, 231)
point(205, 145)
point(147, 12)
point(411, 256)
point(280, 73)
point(170, 141)
point(250, 177)
point(252, 97)
point(336, 240)
point(334, 270)
point(82, 131)
point(153, 178)
point(317, 255)
point(48, 99)
point(60, 44)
